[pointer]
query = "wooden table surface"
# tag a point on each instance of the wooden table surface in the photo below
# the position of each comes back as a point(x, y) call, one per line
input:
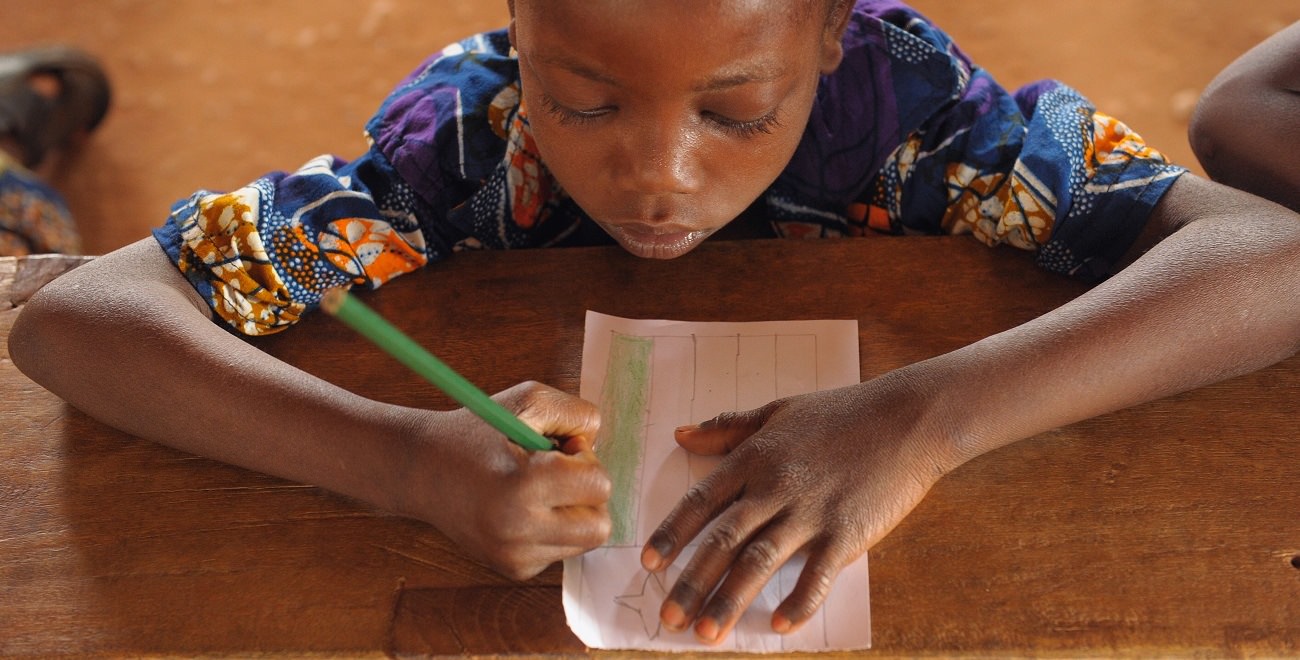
point(1172, 528)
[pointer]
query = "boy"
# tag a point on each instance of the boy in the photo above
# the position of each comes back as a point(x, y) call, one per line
point(654, 124)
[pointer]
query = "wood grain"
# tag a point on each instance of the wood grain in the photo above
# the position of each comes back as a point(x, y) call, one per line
point(1167, 529)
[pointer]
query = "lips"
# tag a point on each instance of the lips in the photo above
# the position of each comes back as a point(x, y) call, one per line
point(655, 241)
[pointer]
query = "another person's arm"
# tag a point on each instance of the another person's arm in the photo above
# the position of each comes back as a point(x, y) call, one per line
point(1246, 128)
point(131, 316)
point(833, 472)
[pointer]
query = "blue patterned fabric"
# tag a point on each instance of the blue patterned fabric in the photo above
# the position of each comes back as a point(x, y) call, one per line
point(34, 218)
point(906, 137)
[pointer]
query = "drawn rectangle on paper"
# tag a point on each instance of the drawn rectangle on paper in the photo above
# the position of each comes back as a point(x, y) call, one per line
point(648, 377)
point(623, 405)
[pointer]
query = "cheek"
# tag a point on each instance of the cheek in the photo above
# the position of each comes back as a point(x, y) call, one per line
point(573, 162)
point(558, 147)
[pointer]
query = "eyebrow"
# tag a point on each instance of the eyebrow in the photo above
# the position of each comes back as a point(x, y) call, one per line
point(579, 69)
point(765, 72)
point(760, 74)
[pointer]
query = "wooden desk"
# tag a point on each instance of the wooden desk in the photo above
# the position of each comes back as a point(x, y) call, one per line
point(1168, 529)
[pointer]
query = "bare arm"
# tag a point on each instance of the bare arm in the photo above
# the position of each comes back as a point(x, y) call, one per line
point(132, 314)
point(1216, 298)
point(1246, 128)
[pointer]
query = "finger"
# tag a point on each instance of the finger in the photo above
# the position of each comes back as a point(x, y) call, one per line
point(521, 537)
point(561, 480)
point(723, 433)
point(578, 445)
point(553, 413)
point(711, 561)
point(761, 557)
point(527, 563)
point(701, 503)
point(813, 586)
point(580, 528)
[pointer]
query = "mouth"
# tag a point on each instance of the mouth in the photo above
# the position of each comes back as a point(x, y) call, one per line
point(655, 242)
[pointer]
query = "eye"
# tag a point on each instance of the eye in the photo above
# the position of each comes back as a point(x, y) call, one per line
point(569, 116)
point(746, 128)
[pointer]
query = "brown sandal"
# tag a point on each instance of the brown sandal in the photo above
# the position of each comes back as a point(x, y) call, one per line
point(38, 122)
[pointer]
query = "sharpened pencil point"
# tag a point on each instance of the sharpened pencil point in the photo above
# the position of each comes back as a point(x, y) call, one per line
point(332, 299)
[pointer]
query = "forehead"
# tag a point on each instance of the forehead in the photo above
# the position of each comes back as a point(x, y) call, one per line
point(774, 9)
point(668, 34)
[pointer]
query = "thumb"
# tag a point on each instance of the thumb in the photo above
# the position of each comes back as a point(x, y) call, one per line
point(723, 433)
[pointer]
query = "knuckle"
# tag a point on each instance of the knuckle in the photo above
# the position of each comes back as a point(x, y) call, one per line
point(521, 571)
point(515, 560)
point(847, 528)
point(601, 488)
point(792, 477)
point(818, 589)
point(698, 498)
point(729, 418)
point(726, 537)
point(600, 532)
point(761, 556)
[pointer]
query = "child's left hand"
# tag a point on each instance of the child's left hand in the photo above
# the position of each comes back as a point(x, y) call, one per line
point(829, 472)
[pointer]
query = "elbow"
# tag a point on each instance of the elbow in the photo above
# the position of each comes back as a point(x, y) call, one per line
point(34, 337)
point(52, 332)
point(1206, 132)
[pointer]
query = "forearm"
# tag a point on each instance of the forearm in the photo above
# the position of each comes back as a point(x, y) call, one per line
point(132, 350)
point(1214, 300)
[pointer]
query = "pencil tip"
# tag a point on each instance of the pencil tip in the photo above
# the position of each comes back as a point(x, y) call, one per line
point(332, 299)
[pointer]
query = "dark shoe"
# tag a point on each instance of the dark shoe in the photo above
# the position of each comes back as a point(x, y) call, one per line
point(38, 122)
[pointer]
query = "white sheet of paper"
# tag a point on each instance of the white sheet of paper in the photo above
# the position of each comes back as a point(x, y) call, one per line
point(649, 377)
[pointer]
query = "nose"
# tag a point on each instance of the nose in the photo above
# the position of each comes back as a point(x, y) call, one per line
point(660, 158)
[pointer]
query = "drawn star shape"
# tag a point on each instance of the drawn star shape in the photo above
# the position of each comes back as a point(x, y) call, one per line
point(652, 593)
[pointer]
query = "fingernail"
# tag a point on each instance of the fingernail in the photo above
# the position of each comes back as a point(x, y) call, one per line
point(687, 429)
point(652, 559)
point(707, 630)
point(780, 624)
point(673, 616)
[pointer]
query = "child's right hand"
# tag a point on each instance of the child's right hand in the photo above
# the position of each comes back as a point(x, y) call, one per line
point(515, 510)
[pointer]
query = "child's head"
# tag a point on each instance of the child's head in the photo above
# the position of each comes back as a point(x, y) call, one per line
point(665, 119)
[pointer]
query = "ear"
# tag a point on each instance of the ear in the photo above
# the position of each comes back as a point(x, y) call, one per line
point(833, 37)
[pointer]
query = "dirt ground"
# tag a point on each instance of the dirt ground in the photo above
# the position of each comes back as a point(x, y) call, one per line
point(212, 93)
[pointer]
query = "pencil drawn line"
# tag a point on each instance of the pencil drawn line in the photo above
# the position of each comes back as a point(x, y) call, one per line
point(637, 602)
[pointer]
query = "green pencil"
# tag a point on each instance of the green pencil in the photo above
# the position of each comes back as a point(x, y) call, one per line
point(397, 344)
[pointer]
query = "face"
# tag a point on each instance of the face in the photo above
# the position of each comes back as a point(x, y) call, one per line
point(665, 119)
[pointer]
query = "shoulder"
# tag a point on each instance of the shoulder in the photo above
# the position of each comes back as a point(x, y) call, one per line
point(898, 71)
point(449, 117)
point(892, 43)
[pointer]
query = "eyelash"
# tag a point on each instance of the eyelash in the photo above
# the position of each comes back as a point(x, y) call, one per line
point(743, 129)
point(751, 128)
point(566, 116)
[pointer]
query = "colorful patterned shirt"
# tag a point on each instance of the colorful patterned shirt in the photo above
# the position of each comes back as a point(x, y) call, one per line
point(34, 219)
point(907, 136)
